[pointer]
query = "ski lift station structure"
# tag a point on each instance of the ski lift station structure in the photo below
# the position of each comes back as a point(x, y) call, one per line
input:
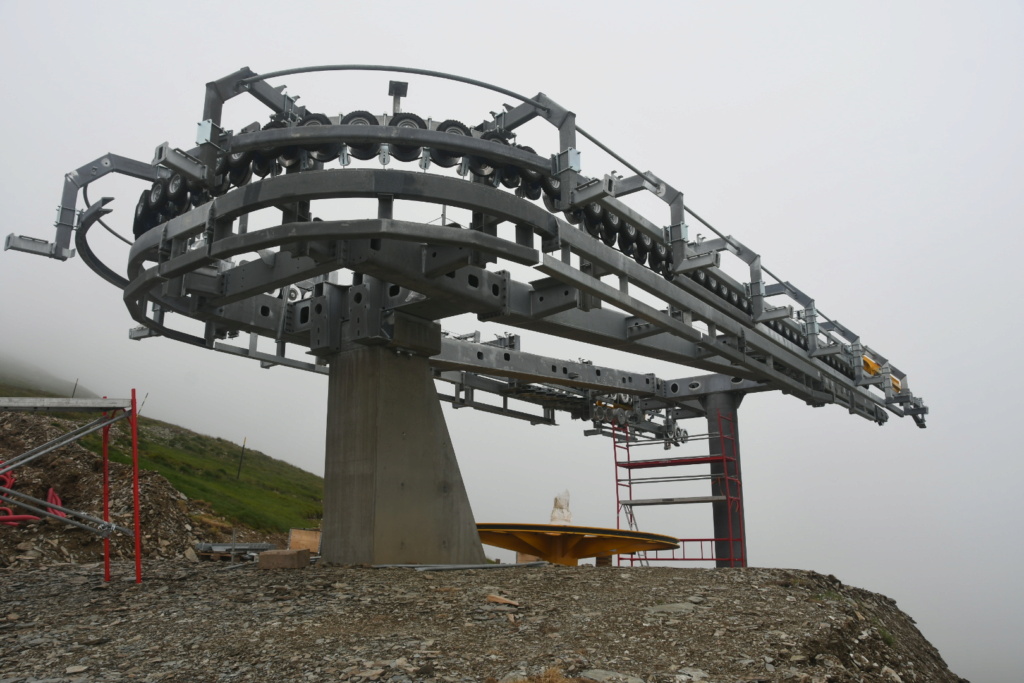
point(545, 247)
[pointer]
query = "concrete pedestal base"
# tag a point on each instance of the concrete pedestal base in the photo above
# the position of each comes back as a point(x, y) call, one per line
point(393, 493)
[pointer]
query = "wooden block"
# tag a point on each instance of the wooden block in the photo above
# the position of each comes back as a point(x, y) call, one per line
point(304, 538)
point(284, 559)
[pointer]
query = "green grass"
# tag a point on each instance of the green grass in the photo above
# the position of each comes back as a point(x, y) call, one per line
point(270, 495)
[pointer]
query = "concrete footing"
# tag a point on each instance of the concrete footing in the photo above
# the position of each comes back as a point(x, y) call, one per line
point(393, 493)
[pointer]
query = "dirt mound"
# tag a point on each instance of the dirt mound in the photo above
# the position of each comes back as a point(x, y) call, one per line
point(171, 523)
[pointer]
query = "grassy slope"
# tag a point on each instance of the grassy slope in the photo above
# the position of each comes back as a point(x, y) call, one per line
point(270, 495)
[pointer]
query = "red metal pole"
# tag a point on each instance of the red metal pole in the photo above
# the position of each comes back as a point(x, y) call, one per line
point(106, 501)
point(134, 419)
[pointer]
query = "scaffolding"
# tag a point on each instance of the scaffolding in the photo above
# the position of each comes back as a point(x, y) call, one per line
point(112, 411)
point(726, 497)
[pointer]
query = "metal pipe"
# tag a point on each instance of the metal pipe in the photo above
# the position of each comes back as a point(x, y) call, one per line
point(396, 69)
point(7, 497)
point(68, 438)
point(106, 502)
point(136, 513)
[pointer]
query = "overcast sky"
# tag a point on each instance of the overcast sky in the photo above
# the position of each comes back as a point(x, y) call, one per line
point(871, 152)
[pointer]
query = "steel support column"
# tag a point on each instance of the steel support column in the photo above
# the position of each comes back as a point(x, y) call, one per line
point(722, 413)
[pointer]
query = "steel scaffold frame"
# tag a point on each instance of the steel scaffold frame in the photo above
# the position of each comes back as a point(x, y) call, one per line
point(726, 480)
point(113, 410)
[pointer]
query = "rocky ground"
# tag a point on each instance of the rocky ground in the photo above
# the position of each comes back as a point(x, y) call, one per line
point(192, 621)
point(234, 622)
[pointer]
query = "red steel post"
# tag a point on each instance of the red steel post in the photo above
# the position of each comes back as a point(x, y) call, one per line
point(106, 501)
point(134, 419)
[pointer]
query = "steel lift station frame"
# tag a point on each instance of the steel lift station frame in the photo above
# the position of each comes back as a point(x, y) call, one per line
point(365, 297)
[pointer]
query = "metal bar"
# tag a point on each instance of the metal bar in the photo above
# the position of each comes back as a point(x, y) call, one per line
point(19, 403)
point(395, 69)
point(136, 512)
point(59, 442)
point(106, 501)
point(7, 497)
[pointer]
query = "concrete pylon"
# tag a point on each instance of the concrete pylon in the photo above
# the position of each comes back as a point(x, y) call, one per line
point(393, 493)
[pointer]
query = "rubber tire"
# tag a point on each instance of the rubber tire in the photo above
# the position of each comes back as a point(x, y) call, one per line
point(595, 211)
point(627, 233)
point(406, 152)
point(549, 203)
point(609, 237)
point(591, 225)
point(480, 166)
point(237, 159)
point(322, 153)
point(157, 195)
point(641, 255)
point(510, 177)
point(240, 175)
point(528, 174)
point(262, 166)
point(366, 150)
point(177, 188)
point(531, 191)
point(552, 186)
point(446, 159)
point(143, 221)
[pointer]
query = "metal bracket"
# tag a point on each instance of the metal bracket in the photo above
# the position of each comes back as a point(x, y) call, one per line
point(209, 133)
point(182, 162)
point(567, 160)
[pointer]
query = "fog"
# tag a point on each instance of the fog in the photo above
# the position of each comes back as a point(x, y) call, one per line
point(870, 152)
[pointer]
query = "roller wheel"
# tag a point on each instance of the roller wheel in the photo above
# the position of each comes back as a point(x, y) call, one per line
point(510, 177)
point(157, 195)
point(549, 203)
point(595, 211)
point(287, 156)
point(484, 167)
point(641, 254)
point(237, 159)
point(447, 159)
point(531, 190)
point(261, 165)
point(552, 186)
point(611, 221)
point(177, 188)
point(406, 152)
point(592, 226)
point(223, 187)
point(528, 174)
point(609, 237)
point(627, 233)
point(143, 215)
point(322, 153)
point(659, 254)
point(362, 150)
point(240, 175)
point(574, 216)
point(625, 246)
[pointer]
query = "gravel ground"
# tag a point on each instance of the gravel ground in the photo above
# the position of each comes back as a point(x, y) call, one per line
point(211, 621)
